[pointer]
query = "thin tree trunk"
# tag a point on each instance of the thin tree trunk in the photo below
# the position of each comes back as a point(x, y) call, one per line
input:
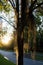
point(32, 30)
point(34, 43)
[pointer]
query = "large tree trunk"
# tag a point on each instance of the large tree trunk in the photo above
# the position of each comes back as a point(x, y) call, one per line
point(20, 27)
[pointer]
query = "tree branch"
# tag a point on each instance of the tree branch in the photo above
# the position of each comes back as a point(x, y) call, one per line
point(33, 2)
point(12, 3)
point(32, 5)
point(8, 22)
point(38, 5)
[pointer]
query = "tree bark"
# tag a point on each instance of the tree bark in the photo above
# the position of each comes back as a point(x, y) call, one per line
point(20, 26)
point(32, 30)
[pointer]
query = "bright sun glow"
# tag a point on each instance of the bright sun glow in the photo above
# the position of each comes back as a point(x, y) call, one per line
point(8, 36)
point(6, 39)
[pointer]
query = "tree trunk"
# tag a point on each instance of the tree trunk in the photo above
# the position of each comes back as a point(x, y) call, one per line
point(32, 30)
point(33, 52)
point(20, 27)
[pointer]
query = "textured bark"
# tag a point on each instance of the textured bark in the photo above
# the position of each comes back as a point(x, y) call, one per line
point(32, 30)
point(20, 26)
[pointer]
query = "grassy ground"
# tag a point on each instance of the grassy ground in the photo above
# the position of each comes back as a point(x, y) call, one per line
point(3, 61)
point(39, 57)
point(2, 48)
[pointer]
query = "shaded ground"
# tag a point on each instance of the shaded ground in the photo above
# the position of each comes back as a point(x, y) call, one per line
point(39, 56)
point(12, 57)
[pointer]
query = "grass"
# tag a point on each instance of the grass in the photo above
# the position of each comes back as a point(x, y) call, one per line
point(2, 48)
point(39, 58)
point(3, 61)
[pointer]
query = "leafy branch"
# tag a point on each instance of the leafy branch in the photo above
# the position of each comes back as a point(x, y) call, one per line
point(8, 22)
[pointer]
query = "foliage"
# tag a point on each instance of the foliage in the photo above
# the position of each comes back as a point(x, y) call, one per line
point(4, 61)
point(38, 20)
point(5, 5)
point(39, 40)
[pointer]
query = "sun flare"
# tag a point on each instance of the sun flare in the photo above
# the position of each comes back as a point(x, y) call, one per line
point(6, 39)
